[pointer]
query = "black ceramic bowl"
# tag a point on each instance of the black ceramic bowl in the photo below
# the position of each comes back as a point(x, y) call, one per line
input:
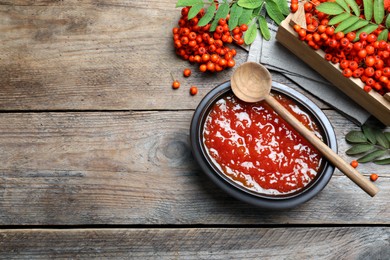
point(239, 191)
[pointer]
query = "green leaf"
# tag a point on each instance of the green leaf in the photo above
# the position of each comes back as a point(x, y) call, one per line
point(371, 156)
point(387, 22)
point(330, 8)
point(184, 3)
point(207, 16)
point(381, 138)
point(356, 137)
point(359, 148)
point(359, 24)
point(250, 34)
point(369, 132)
point(245, 16)
point(379, 11)
point(368, 7)
point(274, 12)
point(383, 35)
point(264, 28)
point(195, 9)
point(339, 18)
point(343, 4)
point(383, 161)
point(235, 13)
point(222, 12)
point(283, 6)
point(369, 28)
point(387, 134)
point(346, 23)
point(251, 4)
point(355, 8)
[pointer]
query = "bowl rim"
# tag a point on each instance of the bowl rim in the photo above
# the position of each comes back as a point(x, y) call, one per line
point(240, 192)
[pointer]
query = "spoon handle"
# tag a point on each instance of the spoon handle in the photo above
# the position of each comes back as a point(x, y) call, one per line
point(332, 157)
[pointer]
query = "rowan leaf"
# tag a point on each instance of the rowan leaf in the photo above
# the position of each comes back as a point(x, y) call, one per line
point(383, 35)
point(330, 8)
point(264, 28)
point(359, 24)
point(381, 139)
point(387, 22)
point(235, 13)
point(222, 12)
point(369, 28)
point(346, 23)
point(359, 148)
point(207, 16)
point(246, 16)
point(371, 156)
point(184, 3)
point(356, 137)
point(379, 11)
point(250, 34)
point(387, 134)
point(274, 12)
point(195, 9)
point(368, 7)
point(384, 161)
point(251, 4)
point(339, 18)
point(369, 132)
point(283, 6)
point(344, 5)
point(355, 8)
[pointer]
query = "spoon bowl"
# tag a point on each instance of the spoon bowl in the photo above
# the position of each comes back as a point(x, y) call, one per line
point(251, 82)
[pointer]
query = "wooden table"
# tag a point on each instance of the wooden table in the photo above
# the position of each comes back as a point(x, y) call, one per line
point(95, 157)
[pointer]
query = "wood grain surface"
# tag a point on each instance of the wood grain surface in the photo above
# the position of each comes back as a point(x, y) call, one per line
point(92, 135)
point(137, 168)
point(199, 243)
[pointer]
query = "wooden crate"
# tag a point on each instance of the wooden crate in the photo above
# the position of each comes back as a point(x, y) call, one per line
point(374, 103)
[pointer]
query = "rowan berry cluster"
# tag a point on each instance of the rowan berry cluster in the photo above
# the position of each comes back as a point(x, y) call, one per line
point(198, 45)
point(359, 56)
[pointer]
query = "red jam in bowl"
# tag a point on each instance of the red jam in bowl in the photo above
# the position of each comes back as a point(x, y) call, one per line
point(255, 148)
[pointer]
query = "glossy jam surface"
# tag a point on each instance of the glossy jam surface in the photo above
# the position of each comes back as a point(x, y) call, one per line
point(254, 147)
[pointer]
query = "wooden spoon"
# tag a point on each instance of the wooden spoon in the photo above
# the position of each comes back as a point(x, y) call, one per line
point(251, 82)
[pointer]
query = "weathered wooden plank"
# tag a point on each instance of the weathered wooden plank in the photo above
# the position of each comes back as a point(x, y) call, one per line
point(198, 243)
point(95, 55)
point(137, 168)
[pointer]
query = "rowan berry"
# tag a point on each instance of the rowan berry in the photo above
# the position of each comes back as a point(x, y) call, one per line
point(339, 35)
point(186, 72)
point(353, 65)
point(240, 42)
point(363, 36)
point(329, 31)
point(231, 63)
point(374, 177)
point(371, 38)
point(193, 90)
point(347, 72)
point(367, 88)
point(210, 66)
point(351, 36)
point(362, 53)
point(176, 84)
point(308, 7)
point(221, 21)
point(386, 71)
point(219, 29)
point(370, 61)
point(296, 27)
point(344, 64)
point(293, 8)
point(236, 30)
point(203, 67)
point(370, 82)
point(354, 163)
point(328, 56)
point(369, 71)
point(243, 27)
